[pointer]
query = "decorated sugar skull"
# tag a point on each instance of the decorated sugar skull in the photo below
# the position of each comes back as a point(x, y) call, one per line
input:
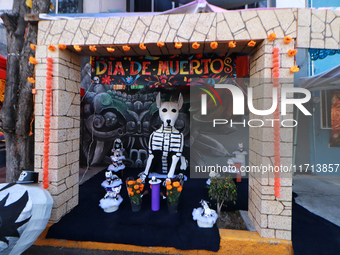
point(96, 79)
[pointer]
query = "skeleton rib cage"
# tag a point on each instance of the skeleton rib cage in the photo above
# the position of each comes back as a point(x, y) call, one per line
point(166, 139)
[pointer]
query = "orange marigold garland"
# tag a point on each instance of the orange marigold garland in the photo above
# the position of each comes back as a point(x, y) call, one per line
point(110, 49)
point(126, 48)
point(214, 45)
point(276, 84)
point(142, 46)
point(294, 69)
point(252, 44)
point(160, 44)
point(292, 53)
point(33, 61)
point(62, 46)
point(195, 45)
point(272, 37)
point(232, 44)
point(51, 47)
point(93, 48)
point(287, 39)
point(77, 47)
point(178, 45)
point(47, 123)
point(31, 80)
point(32, 46)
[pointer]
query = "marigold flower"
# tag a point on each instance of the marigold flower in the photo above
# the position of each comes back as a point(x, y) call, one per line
point(33, 61)
point(178, 45)
point(160, 44)
point(292, 53)
point(232, 44)
point(168, 187)
point(214, 45)
point(109, 49)
point(131, 194)
point(51, 47)
point(137, 191)
point(139, 181)
point(195, 45)
point(136, 187)
point(51, 6)
point(272, 37)
point(176, 184)
point(32, 46)
point(170, 192)
point(29, 3)
point(77, 47)
point(93, 48)
point(168, 183)
point(142, 46)
point(294, 69)
point(131, 182)
point(126, 48)
point(179, 189)
point(31, 79)
point(167, 194)
point(62, 46)
point(251, 44)
point(287, 39)
point(129, 189)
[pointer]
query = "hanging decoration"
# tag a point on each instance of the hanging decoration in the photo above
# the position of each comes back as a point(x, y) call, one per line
point(62, 46)
point(142, 46)
point(33, 61)
point(316, 54)
point(294, 69)
point(77, 47)
point(160, 44)
point(51, 47)
point(32, 46)
point(195, 45)
point(276, 84)
point(272, 37)
point(214, 45)
point(93, 48)
point(178, 45)
point(232, 44)
point(31, 80)
point(47, 124)
point(287, 39)
point(252, 43)
point(110, 49)
point(292, 52)
point(126, 48)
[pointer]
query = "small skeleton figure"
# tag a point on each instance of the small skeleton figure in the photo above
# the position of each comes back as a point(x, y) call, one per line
point(114, 185)
point(207, 212)
point(167, 139)
point(240, 147)
point(117, 157)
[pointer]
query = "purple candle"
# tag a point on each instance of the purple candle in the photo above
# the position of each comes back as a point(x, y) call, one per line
point(155, 193)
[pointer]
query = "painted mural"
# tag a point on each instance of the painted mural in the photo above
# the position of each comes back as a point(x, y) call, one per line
point(119, 101)
point(335, 117)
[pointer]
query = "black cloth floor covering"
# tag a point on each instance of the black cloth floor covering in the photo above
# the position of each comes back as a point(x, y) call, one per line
point(88, 222)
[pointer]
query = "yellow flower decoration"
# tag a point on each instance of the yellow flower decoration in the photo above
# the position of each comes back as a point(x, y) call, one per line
point(62, 46)
point(51, 47)
point(142, 46)
point(168, 187)
point(160, 44)
point(31, 80)
point(294, 69)
point(176, 184)
point(195, 45)
point(178, 45)
point(179, 189)
point(272, 37)
point(33, 46)
point(287, 39)
point(126, 48)
point(29, 3)
point(214, 45)
point(232, 44)
point(51, 6)
point(251, 44)
point(77, 47)
point(110, 49)
point(292, 53)
point(33, 61)
point(92, 48)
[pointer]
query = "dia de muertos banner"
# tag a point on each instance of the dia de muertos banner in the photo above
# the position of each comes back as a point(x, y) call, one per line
point(335, 117)
point(162, 71)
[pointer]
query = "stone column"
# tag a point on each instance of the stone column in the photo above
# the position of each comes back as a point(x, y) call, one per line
point(65, 127)
point(272, 217)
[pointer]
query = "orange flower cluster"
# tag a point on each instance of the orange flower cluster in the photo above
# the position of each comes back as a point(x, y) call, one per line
point(294, 69)
point(93, 48)
point(195, 45)
point(126, 47)
point(251, 44)
point(178, 45)
point(110, 49)
point(142, 46)
point(62, 46)
point(272, 37)
point(77, 47)
point(173, 187)
point(214, 45)
point(292, 53)
point(160, 44)
point(232, 44)
point(51, 47)
point(287, 39)
point(134, 189)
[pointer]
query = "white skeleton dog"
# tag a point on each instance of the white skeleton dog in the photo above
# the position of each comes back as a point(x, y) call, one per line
point(166, 139)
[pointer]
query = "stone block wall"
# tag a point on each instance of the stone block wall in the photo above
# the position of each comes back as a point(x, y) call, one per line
point(271, 216)
point(65, 127)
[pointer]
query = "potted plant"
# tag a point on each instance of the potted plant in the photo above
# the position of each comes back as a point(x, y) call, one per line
point(173, 191)
point(222, 189)
point(135, 189)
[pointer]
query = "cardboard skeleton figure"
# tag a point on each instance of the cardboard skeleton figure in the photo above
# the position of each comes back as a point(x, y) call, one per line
point(112, 198)
point(167, 139)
